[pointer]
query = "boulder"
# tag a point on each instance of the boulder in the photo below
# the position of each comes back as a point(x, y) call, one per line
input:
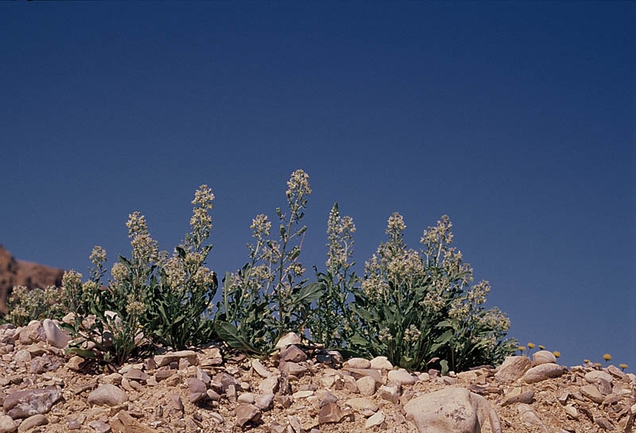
point(454, 410)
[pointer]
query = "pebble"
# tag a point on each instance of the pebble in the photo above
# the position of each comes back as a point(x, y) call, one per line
point(107, 395)
point(402, 377)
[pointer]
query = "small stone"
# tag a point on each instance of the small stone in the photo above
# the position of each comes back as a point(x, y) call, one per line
point(592, 392)
point(269, 385)
point(287, 340)
point(213, 395)
point(100, 426)
point(107, 395)
point(292, 353)
point(55, 336)
point(197, 389)
point(362, 403)
point(366, 385)
point(264, 402)
point(31, 422)
point(604, 423)
point(357, 373)
point(513, 368)
point(402, 377)
point(374, 420)
point(571, 412)
point(294, 369)
point(168, 358)
point(358, 363)
point(7, 424)
point(137, 375)
point(247, 413)
point(176, 403)
point(44, 363)
point(389, 393)
point(22, 357)
point(302, 394)
point(381, 363)
point(248, 398)
point(260, 369)
point(522, 397)
point(542, 372)
point(75, 363)
point(595, 376)
point(330, 413)
point(543, 357)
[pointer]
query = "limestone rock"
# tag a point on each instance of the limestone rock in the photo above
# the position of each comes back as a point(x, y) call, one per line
point(55, 336)
point(31, 422)
point(292, 353)
point(197, 389)
point(330, 412)
point(374, 420)
point(287, 340)
point(543, 372)
point(366, 385)
point(23, 404)
point(529, 417)
point(107, 395)
point(543, 357)
point(358, 363)
point(389, 393)
point(590, 391)
point(381, 363)
point(169, 358)
point(7, 424)
point(402, 377)
point(247, 413)
point(451, 410)
point(362, 404)
point(513, 368)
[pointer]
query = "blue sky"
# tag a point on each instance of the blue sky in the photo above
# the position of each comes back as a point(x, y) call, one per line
point(515, 119)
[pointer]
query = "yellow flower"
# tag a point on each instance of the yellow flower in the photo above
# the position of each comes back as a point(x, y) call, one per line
point(556, 354)
point(597, 364)
point(522, 349)
point(623, 366)
point(541, 347)
point(607, 357)
point(531, 345)
point(586, 361)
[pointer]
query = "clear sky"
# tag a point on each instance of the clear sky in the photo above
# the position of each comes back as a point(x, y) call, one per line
point(516, 119)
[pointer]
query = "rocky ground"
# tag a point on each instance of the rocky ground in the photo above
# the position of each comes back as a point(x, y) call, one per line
point(296, 390)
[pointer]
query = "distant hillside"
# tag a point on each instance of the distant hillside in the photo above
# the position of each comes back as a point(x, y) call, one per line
point(21, 273)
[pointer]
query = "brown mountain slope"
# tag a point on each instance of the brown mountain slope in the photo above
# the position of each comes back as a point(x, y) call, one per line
point(21, 273)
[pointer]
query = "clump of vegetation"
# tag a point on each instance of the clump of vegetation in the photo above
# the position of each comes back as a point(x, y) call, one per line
point(268, 297)
point(417, 307)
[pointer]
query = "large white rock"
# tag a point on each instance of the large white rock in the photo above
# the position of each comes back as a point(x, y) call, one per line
point(543, 372)
point(451, 410)
point(54, 335)
point(543, 357)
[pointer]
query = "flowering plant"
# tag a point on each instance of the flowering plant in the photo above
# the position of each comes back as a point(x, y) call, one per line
point(151, 299)
point(267, 298)
point(415, 307)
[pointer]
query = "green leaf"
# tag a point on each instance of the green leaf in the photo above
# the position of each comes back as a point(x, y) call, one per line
point(230, 334)
point(310, 293)
point(444, 364)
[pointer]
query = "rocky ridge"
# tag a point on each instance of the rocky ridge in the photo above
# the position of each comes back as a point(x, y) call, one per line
point(298, 389)
point(15, 272)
